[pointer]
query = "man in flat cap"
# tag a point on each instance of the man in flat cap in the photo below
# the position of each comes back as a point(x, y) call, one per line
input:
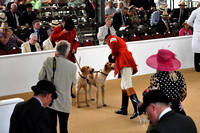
point(31, 116)
point(162, 117)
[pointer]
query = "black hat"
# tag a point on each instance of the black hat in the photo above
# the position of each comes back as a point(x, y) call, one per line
point(45, 85)
point(153, 96)
point(110, 59)
point(29, 5)
point(69, 24)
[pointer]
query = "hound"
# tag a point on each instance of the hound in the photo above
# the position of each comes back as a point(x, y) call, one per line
point(98, 80)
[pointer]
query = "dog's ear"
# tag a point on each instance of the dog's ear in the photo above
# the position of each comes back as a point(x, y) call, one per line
point(83, 69)
point(106, 65)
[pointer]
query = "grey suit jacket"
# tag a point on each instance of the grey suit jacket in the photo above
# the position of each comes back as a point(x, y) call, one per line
point(65, 76)
point(103, 31)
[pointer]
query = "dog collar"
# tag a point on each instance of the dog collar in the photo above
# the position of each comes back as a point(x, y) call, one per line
point(103, 73)
point(82, 76)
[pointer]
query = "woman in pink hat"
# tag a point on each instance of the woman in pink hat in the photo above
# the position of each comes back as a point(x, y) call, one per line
point(167, 79)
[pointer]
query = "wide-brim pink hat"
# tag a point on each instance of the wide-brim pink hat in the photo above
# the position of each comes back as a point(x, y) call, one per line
point(164, 60)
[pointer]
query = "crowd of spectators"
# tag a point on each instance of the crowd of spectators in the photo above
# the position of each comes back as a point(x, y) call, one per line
point(138, 15)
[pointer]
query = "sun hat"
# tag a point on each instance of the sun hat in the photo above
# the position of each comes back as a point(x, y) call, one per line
point(161, 8)
point(165, 14)
point(182, 3)
point(185, 22)
point(3, 17)
point(153, 96)
point(131, 7)
point(54, 23)
point(110, 1)
point(45, 85)
point(164, 60)
point(4, 25)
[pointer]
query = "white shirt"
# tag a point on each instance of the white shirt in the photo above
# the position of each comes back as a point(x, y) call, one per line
point(164, 112)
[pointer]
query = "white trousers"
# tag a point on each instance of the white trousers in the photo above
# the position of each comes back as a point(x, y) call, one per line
point(126, 78)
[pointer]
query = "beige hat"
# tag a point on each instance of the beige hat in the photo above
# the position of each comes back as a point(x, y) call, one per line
point(161, 8)
point(3, 17)
point(110, 1)
point(4, 25)
point(182, 3)
point(165, 14)
point(54, 23)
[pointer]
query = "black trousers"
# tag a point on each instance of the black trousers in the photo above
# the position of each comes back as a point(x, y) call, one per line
point(63, 120)
point(197, 61)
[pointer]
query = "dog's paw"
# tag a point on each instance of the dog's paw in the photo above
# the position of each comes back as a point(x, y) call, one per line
point(78, 106)
point(98, 107)
point(104, 105)
point(92, 99)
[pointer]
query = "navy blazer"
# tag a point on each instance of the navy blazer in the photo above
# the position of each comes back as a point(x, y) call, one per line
point(30, 117)
point(173, 122)
point(117, 20)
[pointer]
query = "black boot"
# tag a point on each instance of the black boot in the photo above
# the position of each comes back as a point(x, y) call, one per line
point(135, 102)
point(124, 107)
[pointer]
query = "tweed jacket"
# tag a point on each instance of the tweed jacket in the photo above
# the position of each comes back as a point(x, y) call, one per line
point(103, 31)
point(26, 47)
point(30, 117)
point(123, 57)
point(173, 122)
point(64, 78)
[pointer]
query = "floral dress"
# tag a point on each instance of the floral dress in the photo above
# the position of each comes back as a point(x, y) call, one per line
point(176, 91)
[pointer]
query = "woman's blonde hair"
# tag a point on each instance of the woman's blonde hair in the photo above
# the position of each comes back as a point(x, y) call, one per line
point(172, 75)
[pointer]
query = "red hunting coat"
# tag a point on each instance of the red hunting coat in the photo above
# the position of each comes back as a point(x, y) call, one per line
point(71, 37)
point(123, 57)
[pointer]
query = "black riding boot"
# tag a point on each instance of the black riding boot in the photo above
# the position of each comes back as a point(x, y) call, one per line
point(134, 101)
point(124, 107)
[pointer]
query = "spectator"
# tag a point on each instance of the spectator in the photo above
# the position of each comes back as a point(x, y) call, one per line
point(31, 116)
point(66, 31)
point(163, 27)
point(110, 10)
point(167, 79)
point(104, 30)
point(161, 2)
point(125, 67)
point(42, 35)
point(72, 3)
point(90, 9)
point(185, 31)
point(3, 17)
point(7, 38)
point(120, 6)
point(28, 16)
point(22, 6)
point(148, 4)
point(31, 45)
point(135, 21)
point(53, 24)
point(64, 77)
point(156, 16)
point(121, 19)
point(13, 17)
point(179, 16)
point(157, 106)
point(194, 21)
point(17, 2)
